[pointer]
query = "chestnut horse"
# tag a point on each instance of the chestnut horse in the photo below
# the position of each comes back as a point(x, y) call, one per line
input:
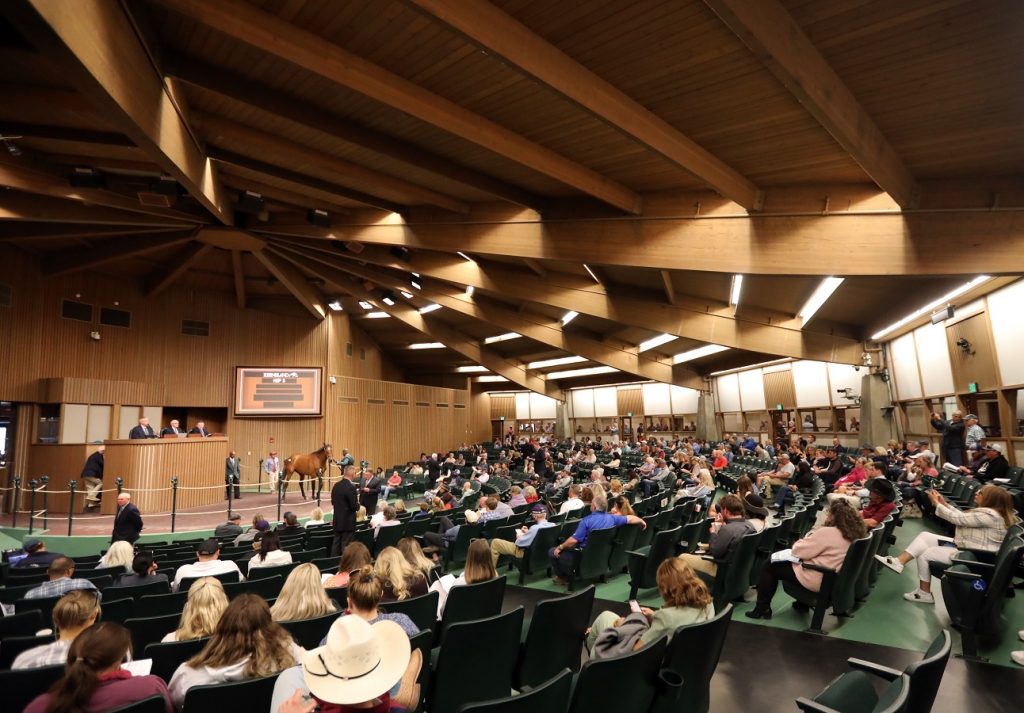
point(306, 466)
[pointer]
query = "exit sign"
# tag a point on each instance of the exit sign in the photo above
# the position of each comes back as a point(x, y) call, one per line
point(778, 407)
point(629, 414)
point(973, 387)
point(502, 418)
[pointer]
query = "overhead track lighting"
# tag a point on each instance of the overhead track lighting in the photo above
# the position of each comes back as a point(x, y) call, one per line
point(560, 361)
point(657, 341)
point(573, 373)
point(948, 297)
point(697, 353)
point(569, 316)
point(821, 294)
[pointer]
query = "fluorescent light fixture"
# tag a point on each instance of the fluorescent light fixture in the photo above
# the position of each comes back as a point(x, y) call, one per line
point(569, 316)
point(471, 369)
point(406, 295)
point(429, 308)
point(734, 292)
point(335, 306)
point(759, 365)
point(489, 378)
point(502, 337)
point(377, 315)
point(469, 290)
point(416, 285)
point(657, 341)
point(820, 296)
point(464, 256)
point(365, 305)
point(591, 273)
point(927, 309)
point(388, 301)
point(706, 350)
point(572, 373)
point(426, 345)
point(560, 361)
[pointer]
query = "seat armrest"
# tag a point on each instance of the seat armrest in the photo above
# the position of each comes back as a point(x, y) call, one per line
point(966, 576)
point(817, 568)
point(806, 704)
point(889, 674)
point(973, 565)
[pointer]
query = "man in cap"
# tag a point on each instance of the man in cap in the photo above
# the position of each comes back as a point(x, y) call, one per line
point(208, 563)
point(974, 434)
point(992, 464)
point(500, 547)
point(37, 554)
point(881, 501)
point(231, 528)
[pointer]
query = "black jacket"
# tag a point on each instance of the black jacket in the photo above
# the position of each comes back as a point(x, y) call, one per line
point(343, 499)
point(369, 500)
point(986, 470)
point(952, 432)
point(140, 432)
point(127, 524)
point(93, 466)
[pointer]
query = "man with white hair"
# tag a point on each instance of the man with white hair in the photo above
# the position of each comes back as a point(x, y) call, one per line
point(776, 478)
point(974, 434)
point(128, 520)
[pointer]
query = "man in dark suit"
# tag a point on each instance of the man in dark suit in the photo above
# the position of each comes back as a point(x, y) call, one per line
point(345, 503)
point(232, 476)
point(92, 476)
point(143, 430)
point(369, 493)
point(174, 429)
point(127, 521)
point(199, 430)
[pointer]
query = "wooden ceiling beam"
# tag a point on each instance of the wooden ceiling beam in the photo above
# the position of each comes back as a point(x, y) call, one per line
point(41, 232)
point(670, 289)
point(245, 23)
point(238, 88)
point(218, 129)
point(911, 243)
point(100, 53)
point(294, 281)
point(298, 200)
point(498, 33)
point(535, 267)
point(302, 180)
point(239, 274)
point(64, 133)
point(166, 275)
point(16, 205)
point(432, 327)
point(69, 261)
point(771, 33)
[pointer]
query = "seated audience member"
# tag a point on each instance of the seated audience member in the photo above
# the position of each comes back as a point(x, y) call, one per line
point(400, 579)
point(270, 553)
point(620, 506)
point(825, 546)
point(828, 470)
point(316, 517)
point(479, 568)
point(854, 478)
point(361, 514)
point(802, 479)
point(365, 595)
point(259, 524)
point(526, 536)
point(290, 525)
point(364, 668)
point(881, 502)
point(143, 571)
point(203, 608)
point(776, 478)
point(38, 556)
point(531, 495)
point(573, 502)
point(394, 482)
point(413, 553)
point(354, 556)
point(400, 507)
point(231, 528)
point(94, 679)
point(686, 601)
point(390, 520)
point(449, 532)
point(61, 574)
point(247, 643)
point(120, 554)
point(744, 487)
point(72, 614)
point(729, 527)
point(422, 512)
point(302, 596)
point(517, 498)
point(990, 464)
point(598, 519)
point(378, 517)
point(754, 511)
point(207, 563)
point(982, 528)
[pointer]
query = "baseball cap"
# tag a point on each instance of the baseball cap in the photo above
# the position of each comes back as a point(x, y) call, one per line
point(262, 525)
point(970, 416)
point(997, 447)
point(208, 547)
point(31, 543)
point(539, 507)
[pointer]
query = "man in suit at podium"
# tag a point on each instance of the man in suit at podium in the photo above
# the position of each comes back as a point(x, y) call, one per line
point(174, 429)
point(127, 521)
point(199, 430)
point(143, 430)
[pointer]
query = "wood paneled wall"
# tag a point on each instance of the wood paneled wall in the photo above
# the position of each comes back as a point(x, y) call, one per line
point(778, 389)
point(977, 363)
point(630, 400)
point(503, 405)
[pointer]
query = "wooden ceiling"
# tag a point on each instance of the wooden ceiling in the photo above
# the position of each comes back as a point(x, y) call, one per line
point(622, 159)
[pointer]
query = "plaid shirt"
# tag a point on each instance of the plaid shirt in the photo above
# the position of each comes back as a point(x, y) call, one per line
point(58, 588)
point(45, 655)
point(979, 529)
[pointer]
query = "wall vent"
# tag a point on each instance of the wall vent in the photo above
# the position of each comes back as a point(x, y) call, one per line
point(115, 317)
point(195, 328)
point(6, 295)
point(71, 309)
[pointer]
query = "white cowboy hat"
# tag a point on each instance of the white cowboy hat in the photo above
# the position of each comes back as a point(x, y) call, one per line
point(359, 662)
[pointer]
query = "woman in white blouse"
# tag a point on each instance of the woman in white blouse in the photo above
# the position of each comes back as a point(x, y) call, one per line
point(270, 554)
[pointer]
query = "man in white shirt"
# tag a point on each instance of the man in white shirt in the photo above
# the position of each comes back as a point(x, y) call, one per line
point(778, 477)
point(272, 467)
point(525, 538)
point(208, 564)
point(573, 502)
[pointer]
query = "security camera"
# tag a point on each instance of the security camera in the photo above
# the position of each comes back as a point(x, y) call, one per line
point(95, 336)
point(856, 367)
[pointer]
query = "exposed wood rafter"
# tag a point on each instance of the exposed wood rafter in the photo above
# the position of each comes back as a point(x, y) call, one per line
point(113, 249)
point(670, 289)
point(15, 205)
point(294, 281)
point(239, 274)
point(166, 275)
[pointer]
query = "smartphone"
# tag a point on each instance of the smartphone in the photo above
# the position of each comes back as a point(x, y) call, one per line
point(634, 606)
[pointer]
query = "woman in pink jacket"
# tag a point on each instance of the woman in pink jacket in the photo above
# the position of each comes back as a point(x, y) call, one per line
point(825, 546)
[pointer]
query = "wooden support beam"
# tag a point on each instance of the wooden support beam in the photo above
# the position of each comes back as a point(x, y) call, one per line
point(536, 267)
point(270, 34)
point(294, 280)
point(302, 180)
point(218, 129)
point(102, 56)
point(299, 200)
point(498, 33)
point(910, 243)
point(64, 133)
point(771, 33)
point(432, 327)
point(112, 250)
point(166, 275)
point(239, 273)
point(241, 89)
point(15, 205)
point(41, 232)
point(670, 289)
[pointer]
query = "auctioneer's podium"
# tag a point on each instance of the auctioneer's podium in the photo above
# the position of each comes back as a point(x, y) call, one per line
point(148, 464)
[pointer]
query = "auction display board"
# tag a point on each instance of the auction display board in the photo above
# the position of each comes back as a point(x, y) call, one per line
point(278, 391)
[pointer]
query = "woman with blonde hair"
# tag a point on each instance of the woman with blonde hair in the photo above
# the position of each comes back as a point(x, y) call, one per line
point(316, 517)
point(364, 596)
point(479, 568)
point(247, 643)
point(302, 596)
point(686, 601)
point(413, 553)
point(120, 554)
point(399, 578)
point(203, 608)
point(399, 506)
point(73, 613)
point(361, 514)
point(620, 506)
point(354, 556)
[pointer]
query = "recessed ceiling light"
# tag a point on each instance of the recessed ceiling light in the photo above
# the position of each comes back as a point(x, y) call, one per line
point(365, 305)
point(734, 291)
point(697, 353)
point(572, 373)
point(335, 306)
point(406, 295)
point(932, 305)
point(469, 290)
point(502, 337)
point(569, 316)
point(471, 369)
point(427, 345)
point(560, 361)
point(489, 378)
point(377, 315)
point(464, 256)
point(656, 341)
point(429, 308)
point(821, 294)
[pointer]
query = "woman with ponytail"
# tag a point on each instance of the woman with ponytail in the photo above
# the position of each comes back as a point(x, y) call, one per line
point(94, 680)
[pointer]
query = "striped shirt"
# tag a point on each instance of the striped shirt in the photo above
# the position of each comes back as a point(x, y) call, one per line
point(45, 655)
point(979, 529)
point(58, 588)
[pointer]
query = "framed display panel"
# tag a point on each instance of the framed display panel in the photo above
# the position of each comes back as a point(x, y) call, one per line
point(278, 391)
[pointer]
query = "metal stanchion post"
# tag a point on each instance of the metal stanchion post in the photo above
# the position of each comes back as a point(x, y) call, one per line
point(280, 493)
point(229, 485)
point(32, 485)
point(259, 479)
point(17, 501)
point(72, 484)
point(120, 485)
point(174, 501)
point(319, 485)
point(45, 483)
